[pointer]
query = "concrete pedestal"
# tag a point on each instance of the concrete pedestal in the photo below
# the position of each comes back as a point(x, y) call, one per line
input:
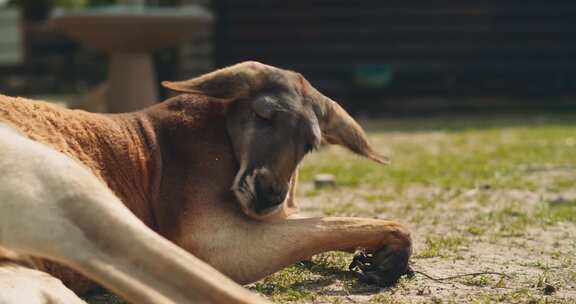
point(132, 82)
point(129, 35)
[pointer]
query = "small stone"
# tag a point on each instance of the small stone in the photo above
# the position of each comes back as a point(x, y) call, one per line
point(436, 300)
point(324, 180)
point(549, 289)
point(562, 199)
point(485, 187)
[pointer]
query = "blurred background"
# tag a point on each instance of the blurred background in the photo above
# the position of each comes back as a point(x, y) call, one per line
point(473, 100)
point(372, 56)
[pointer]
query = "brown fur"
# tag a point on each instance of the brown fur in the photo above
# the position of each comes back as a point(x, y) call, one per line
point(190, 127)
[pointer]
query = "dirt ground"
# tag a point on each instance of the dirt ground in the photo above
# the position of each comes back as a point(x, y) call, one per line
point(492, 193)
point(468, 232)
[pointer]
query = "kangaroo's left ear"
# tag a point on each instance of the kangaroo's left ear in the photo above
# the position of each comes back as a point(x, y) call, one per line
point(238, 81)
point(339, 128)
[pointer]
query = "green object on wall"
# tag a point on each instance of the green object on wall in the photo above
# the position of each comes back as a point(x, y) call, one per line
point(11, 50)
point(71, 3)
point(373, 75)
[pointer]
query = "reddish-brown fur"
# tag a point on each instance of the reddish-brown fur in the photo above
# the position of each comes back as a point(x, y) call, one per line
point(191, 131)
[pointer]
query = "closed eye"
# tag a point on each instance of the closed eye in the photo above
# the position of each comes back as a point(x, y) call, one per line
point(264, 107)
point(262, 117)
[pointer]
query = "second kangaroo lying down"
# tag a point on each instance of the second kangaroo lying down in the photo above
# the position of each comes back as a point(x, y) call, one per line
point(153, 204)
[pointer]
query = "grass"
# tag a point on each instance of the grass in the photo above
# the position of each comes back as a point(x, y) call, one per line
point(553, 214)
point(474, 189)
point(452, 156)
point(440, 246)
point(480, 281)
point(307, 281)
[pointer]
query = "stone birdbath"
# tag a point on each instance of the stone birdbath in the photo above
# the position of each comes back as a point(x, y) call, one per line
point(129, 33)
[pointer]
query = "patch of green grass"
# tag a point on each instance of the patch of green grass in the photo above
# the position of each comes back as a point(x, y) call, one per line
point(305, 281)
point(572, 276)
point(378, 197)
point(509, 221)
point(476, 230)
point(521, 295)
point(514, 219)
point(425, 203)
point(551, 214)
point(333, 259)
point(442, 246)
point(342, 209)
point(312, 193)
point(479, 281)
point(386, 298)
point(562, 182)
point(449, 156)
point(287, 285)
point(542, 280)
point(537, 264)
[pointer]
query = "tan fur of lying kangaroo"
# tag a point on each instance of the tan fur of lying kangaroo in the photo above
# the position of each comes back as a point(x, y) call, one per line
point(212, 171)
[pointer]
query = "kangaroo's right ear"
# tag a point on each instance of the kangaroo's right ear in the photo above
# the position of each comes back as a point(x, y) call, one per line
point(231, 83)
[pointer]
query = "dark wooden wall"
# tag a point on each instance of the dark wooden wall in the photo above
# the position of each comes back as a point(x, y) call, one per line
point(514, 47)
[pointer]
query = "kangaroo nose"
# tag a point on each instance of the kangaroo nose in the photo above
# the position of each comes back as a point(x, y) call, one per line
point(268, 193)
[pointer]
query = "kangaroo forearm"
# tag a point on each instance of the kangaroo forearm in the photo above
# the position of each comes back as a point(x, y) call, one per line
point(276, 245)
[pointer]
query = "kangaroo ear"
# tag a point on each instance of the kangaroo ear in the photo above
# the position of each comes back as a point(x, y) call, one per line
point(339, 128)
point(234, 82)
point(342, 129)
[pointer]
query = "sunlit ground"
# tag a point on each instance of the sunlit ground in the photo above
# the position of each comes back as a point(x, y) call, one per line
point(485, 193)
